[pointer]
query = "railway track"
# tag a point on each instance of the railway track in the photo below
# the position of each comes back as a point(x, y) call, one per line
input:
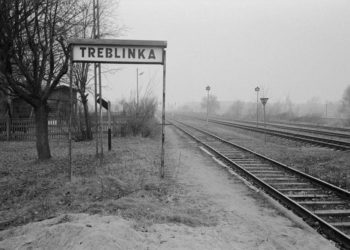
point(314, 126)
point(326, 131)
point(321, 204)
point(307, 138)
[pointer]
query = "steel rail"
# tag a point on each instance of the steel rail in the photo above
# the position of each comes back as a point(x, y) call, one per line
point(330, 143)
point(325, 127)
point(320, 130)
point(314, 220)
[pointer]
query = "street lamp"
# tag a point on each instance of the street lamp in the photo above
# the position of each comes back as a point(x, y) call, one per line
point(257, 89)
point(207, 89)
point(137, 87)
point(264, 101)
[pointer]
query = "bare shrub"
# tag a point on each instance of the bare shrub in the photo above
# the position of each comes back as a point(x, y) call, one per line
point(141, 116)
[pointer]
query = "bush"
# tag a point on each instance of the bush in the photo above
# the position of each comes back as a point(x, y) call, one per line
point(141, 119)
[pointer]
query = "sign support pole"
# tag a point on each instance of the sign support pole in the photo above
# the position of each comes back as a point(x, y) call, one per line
point(70, 116)
point(163, 117)
point(96, 116)
point(101, 125)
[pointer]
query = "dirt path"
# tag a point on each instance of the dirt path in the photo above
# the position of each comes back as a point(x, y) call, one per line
point(239, 217)
point(247, 220)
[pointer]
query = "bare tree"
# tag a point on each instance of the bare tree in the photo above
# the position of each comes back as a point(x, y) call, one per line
point(34, 36)
point(85, 29)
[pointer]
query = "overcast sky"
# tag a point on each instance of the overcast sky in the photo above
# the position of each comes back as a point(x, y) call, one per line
point(295, 48)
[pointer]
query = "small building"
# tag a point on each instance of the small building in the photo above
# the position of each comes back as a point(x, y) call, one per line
point(58, 103)
point(17, 116)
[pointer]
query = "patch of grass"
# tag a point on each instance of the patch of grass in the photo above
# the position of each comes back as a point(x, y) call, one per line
point(127, 184)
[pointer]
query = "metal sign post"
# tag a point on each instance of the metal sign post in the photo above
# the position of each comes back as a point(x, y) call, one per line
point(107, 106)
point(257, 89)
point(207, 89)
point(121, 52)
point(264, 101)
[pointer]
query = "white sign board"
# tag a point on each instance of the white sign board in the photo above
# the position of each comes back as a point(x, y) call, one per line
point(117, 54)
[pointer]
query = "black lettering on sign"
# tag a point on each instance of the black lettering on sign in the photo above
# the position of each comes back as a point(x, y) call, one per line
point(108, 52)
point(82, 51)
point(91, 52)
point(141, 55)
point(151, 55)
point(131, 53)
point(116, 53)
point(100, 52)
point(123, 52)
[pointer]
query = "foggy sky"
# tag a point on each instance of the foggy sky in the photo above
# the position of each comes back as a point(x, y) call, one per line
point(295, 48)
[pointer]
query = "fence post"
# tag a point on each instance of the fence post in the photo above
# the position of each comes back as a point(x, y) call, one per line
point(109, 127)
point(8, 128)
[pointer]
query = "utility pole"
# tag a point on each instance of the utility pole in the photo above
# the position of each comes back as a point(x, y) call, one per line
point(97, 79)
point(95, 76)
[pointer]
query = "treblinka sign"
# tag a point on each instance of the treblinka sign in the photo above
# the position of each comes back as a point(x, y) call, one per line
point(118, 51)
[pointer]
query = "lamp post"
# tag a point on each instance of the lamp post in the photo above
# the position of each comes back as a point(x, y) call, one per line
point(264, 101)
point(207, 89)
point(257, 89)
point(137, 88)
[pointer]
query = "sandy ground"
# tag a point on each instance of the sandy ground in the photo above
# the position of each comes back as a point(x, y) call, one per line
point(245, 218)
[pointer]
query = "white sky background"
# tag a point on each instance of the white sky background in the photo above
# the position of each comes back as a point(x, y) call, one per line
point(295, 48)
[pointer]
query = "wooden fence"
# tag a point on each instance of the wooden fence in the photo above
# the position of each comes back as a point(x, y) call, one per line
point(24, 129)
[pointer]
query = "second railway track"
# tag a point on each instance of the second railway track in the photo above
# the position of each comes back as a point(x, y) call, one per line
point(307, 138)
point(323, 205)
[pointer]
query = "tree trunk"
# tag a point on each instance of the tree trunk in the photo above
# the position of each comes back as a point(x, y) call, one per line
point(86, 118)
point(41, 130)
